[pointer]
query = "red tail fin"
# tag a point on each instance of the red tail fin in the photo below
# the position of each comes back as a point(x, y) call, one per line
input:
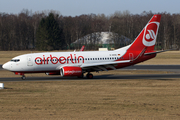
point(147, 37)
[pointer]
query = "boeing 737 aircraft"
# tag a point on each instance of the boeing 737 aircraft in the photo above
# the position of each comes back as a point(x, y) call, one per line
point(79, 63)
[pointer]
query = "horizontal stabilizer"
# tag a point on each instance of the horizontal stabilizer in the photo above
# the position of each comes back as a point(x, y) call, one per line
point(155, 52)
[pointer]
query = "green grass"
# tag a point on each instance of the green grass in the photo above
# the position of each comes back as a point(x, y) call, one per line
point(91, 99)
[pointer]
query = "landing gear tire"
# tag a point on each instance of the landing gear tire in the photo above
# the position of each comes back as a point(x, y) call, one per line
point(89, 76)
point(23, 77)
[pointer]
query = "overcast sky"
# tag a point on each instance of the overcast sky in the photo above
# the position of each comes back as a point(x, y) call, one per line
point(79, 7)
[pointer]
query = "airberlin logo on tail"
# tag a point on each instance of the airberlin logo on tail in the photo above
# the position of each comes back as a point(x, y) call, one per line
point(150, 33)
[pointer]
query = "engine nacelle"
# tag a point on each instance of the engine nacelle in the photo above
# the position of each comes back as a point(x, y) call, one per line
point(71, 71)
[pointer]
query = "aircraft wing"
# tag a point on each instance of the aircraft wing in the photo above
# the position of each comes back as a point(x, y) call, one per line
point(101, 66)
point(103, 63)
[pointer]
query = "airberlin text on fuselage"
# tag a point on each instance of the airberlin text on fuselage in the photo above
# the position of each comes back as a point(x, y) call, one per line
point(62, 60)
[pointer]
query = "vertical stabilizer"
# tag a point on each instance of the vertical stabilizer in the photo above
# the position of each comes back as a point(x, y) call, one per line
point(147, 37)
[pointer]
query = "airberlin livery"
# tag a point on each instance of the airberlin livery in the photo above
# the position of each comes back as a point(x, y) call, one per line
point(78, 63)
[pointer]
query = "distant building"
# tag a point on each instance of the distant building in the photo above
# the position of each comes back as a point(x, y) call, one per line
point(101, 39)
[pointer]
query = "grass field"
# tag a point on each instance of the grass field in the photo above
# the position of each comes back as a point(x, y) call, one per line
point(93, 99)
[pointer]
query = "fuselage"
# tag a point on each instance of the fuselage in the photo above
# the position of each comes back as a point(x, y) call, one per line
point(52, 61)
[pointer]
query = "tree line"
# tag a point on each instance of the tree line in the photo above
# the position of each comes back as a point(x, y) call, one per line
point(49, 30)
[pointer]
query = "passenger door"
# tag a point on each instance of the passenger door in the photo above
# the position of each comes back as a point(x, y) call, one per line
point(29, 61)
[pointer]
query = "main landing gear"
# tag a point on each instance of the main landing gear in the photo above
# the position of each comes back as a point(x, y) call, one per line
point(89, 76)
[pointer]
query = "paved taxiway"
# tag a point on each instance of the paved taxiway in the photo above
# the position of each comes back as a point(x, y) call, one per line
point(174, 68)
point(148, 67)
point(101, 77)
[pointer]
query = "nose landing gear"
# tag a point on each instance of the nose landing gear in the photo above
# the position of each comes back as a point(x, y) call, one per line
point(23, 77)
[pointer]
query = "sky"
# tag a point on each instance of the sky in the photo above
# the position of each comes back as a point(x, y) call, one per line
point(79, 7)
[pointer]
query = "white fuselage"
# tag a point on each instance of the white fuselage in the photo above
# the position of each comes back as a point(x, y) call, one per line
point(52, 61)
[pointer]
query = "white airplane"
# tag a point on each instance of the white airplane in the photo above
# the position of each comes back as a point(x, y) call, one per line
point(78, 63)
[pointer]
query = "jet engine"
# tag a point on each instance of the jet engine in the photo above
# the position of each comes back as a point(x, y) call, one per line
point(71, 71)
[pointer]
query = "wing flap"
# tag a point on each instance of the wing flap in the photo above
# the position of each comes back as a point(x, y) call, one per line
point(101, 66)
point(103, 63)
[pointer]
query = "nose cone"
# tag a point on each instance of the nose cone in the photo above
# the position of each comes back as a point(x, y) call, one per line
point(6, 66)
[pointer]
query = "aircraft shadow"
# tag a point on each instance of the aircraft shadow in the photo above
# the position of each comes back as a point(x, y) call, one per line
point(98, 77)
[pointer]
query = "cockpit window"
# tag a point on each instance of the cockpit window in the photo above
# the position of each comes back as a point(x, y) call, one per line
point(15, 60)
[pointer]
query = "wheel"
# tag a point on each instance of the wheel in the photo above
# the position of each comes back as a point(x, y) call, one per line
point(23, 77)
point(89, 76)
